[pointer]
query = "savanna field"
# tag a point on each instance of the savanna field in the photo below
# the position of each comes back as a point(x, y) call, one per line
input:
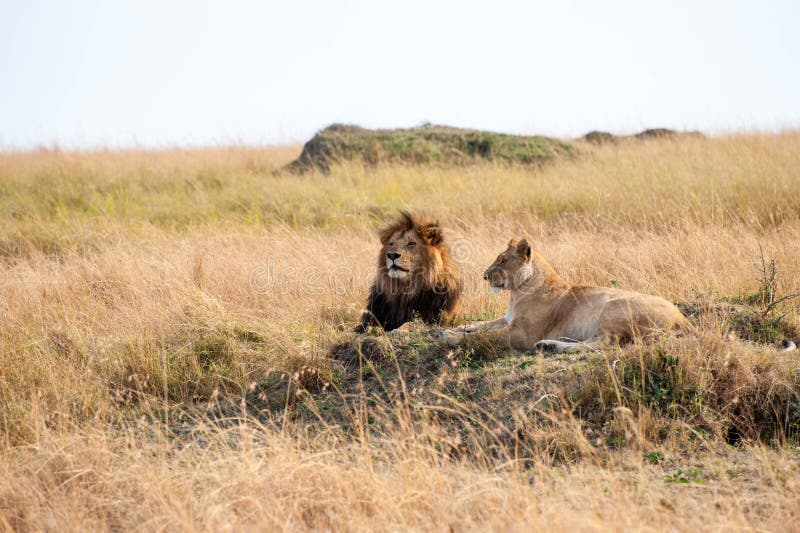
point(176, 346)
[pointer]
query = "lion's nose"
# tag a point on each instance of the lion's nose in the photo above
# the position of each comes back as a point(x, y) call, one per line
point(392, 255)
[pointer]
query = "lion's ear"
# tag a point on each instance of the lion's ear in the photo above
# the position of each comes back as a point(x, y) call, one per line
point(512, 243)
point(523, 249)
point(432, 233)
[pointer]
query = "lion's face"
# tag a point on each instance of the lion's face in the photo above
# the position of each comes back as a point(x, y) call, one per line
point(412, 251)
point(511, 268)
point(404, 253)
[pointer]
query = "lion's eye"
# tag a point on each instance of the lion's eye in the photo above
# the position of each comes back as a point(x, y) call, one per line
point(391, 243)
point(502, 261)
point(411, 244)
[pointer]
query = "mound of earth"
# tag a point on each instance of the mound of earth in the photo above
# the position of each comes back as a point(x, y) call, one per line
point(604, 137)
point(484, 397)
point(423, 145)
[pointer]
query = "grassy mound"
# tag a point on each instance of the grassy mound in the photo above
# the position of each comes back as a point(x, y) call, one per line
point(422, 145)
point(482, 399)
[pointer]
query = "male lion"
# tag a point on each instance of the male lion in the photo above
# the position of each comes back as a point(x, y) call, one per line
point(416, 276)
point(547, 313)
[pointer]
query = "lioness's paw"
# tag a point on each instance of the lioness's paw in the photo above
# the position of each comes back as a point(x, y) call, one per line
point(553, 346)
point(450, 337)
point(549, 346)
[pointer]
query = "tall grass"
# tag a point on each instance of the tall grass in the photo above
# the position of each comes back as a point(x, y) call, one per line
point(140, 291)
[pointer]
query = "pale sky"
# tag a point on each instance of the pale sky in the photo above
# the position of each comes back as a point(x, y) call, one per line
point(84, 73)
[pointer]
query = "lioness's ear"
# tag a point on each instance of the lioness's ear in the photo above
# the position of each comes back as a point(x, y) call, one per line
point(512, 243)
point(431, 233)
point(524, 249)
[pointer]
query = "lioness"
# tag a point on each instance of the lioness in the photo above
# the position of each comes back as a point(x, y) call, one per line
point(547, 313)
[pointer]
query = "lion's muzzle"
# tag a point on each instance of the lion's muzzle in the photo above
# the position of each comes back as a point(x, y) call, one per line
point(395, 270)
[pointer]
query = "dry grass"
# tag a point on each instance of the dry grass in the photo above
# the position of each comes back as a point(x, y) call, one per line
point(256, 478)
point(135, 285)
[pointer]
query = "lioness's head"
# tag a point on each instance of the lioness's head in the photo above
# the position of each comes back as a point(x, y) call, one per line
point(511, 268)
point(412, 247)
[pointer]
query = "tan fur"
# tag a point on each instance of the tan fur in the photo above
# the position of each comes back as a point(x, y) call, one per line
point(416, 276)
point(546, 312)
